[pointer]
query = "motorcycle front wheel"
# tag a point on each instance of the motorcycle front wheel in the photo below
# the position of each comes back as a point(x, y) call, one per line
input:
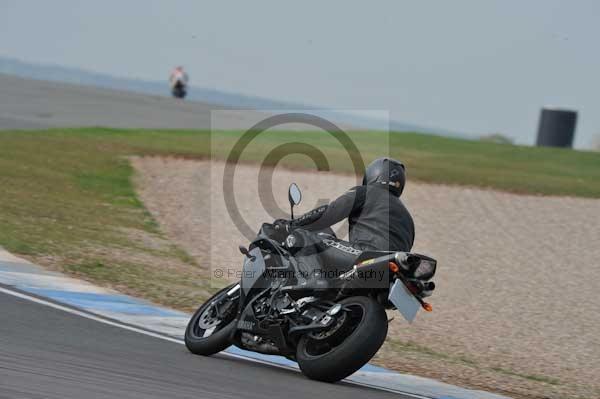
point(209, 328)
point(334, 354)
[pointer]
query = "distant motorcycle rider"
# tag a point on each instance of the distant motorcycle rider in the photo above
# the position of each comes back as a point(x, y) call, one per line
point(377, 218)
point(178, 76)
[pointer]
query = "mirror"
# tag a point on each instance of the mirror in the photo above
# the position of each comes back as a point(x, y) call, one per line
point(294, 194)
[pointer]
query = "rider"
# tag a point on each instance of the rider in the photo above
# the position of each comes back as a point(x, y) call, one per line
point(178, 76)
point(377, 218)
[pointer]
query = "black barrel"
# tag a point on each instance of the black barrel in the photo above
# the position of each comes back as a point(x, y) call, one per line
point(557, 127)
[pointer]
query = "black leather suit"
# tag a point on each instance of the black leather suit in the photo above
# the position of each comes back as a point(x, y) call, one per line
point(378, 220)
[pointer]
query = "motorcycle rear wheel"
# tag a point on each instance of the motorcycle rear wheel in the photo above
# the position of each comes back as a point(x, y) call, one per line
point(331, 357)
point(197, 340)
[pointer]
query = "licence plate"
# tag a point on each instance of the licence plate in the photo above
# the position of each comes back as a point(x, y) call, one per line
point(404, 301)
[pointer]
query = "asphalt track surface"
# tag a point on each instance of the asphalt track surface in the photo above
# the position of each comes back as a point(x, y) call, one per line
point(36, 104)
point(27, 104)
point(48, 353)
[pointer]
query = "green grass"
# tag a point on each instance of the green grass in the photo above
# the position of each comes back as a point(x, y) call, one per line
point(434, 159)
point(67, 195)
point(67, 202)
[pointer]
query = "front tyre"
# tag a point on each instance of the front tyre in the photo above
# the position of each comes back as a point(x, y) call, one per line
point(209, 328)
point(334, 354)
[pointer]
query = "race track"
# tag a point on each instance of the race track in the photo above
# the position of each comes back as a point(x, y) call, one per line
point(48, 353)
point(35, 104)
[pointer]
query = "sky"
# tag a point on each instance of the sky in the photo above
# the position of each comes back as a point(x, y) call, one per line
point(472, 66)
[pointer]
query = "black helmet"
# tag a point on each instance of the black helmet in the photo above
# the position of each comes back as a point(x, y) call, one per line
point(386, 171)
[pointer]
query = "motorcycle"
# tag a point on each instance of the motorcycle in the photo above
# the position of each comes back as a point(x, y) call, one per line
point(179, 90)
point(330, 333)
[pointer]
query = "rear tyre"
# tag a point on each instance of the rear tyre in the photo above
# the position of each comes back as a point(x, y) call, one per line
point(333, 355)
point(206, 332)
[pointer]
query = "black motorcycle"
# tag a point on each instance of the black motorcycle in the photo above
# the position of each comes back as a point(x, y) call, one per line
point(330, 332)
point(179, 90)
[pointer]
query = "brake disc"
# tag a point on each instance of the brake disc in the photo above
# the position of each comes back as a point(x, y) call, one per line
point(208, 319)
point(325, 334)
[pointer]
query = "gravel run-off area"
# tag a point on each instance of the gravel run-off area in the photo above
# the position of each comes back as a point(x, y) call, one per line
point(516, 309)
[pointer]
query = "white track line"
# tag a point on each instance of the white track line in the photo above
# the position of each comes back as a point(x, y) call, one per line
point(170, 339)
point(86, 315)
